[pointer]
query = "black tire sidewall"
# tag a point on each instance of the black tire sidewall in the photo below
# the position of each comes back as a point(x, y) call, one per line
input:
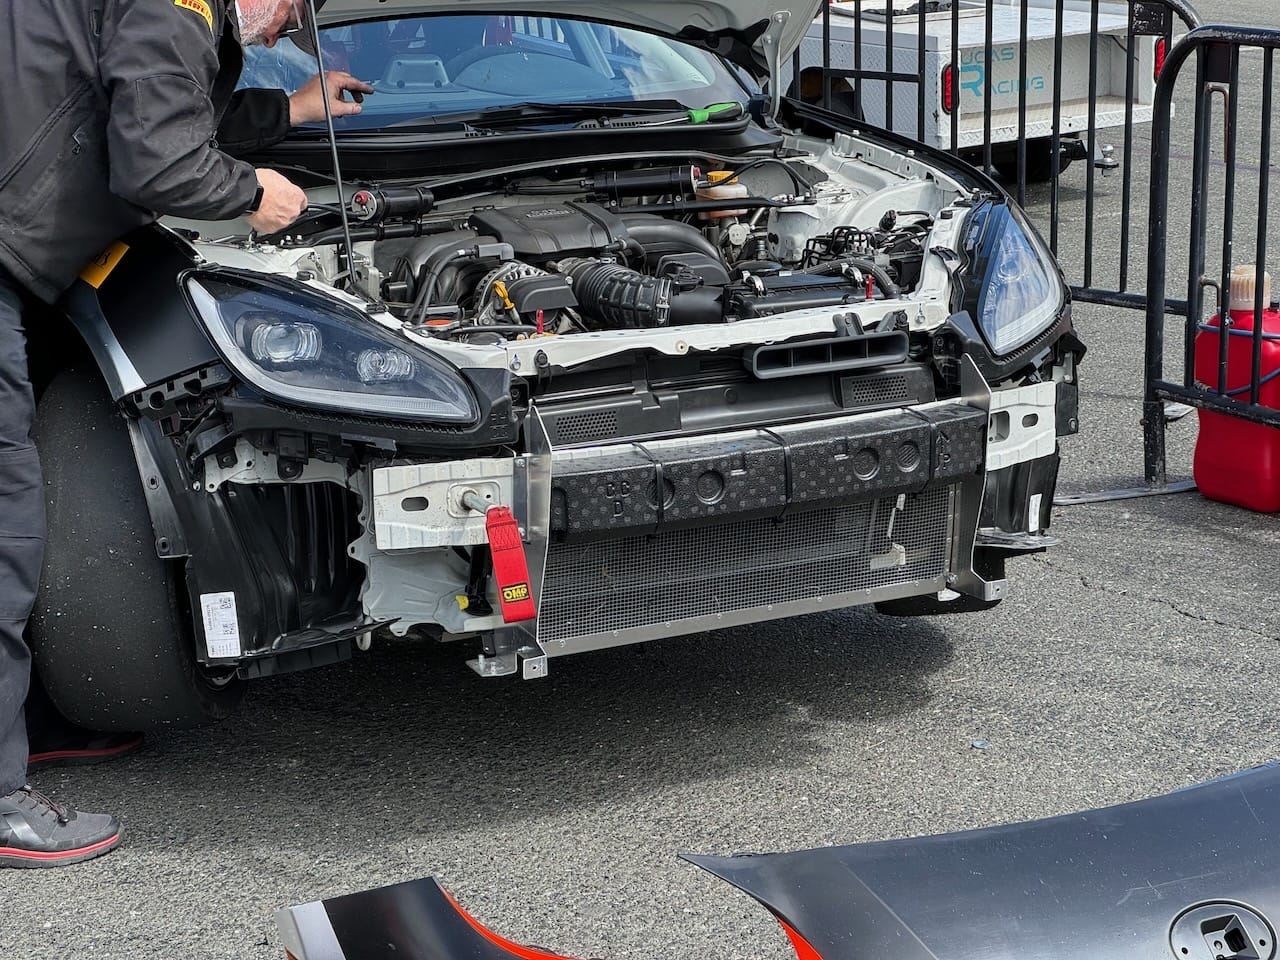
point(111, 632)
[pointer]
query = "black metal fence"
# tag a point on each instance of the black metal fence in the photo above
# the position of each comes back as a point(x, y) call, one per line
point(1019, 89)
point(1223, 368)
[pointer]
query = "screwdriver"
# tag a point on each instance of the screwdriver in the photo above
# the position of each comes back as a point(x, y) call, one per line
point(716, 113)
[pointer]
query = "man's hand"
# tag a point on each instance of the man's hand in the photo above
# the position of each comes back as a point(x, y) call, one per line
point(282, 203)
point(307, 105)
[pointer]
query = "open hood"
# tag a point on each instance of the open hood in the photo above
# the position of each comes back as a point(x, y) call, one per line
point(755, 34)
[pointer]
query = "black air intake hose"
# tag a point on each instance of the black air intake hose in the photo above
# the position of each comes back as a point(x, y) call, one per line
point(659, 237)
point(699, 305)
point(835, 268)
point(618, 296)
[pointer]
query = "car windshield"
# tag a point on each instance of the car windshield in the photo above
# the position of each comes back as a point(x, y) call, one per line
point(425, 67)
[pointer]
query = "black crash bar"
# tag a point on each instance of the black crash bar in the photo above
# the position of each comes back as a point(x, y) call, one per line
point(612, 491)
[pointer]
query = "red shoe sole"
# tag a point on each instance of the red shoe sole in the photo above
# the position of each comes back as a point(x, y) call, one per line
point(76, 758)
point(13, 857)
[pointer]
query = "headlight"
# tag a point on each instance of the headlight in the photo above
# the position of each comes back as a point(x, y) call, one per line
point(309, 351)
point(1018, 291)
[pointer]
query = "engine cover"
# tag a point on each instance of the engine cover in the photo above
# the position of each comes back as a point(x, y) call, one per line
point(544, 232)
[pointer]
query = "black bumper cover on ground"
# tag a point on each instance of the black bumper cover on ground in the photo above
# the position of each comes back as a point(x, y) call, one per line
point(1194, 874)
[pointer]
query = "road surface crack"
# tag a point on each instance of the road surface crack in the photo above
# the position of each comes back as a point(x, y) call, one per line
point(1169, 604)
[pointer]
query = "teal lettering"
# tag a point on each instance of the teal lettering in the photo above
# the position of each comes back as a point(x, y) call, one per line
point(975, 84)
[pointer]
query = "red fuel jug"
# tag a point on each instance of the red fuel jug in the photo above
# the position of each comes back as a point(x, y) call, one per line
point(1237, 461)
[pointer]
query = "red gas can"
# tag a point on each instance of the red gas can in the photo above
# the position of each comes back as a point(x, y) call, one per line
point(1237, 461)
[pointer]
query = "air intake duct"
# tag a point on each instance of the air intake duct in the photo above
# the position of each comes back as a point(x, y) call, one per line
point(616, 296)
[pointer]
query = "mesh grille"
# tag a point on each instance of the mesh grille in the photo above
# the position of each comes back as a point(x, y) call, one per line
point(623, 584)
point(582, 427)
point(864, 391)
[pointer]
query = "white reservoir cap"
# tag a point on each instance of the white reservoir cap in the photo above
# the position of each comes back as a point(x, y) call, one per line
point(1244, 281)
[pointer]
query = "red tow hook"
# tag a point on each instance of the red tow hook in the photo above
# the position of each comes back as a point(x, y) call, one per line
point(510, 568)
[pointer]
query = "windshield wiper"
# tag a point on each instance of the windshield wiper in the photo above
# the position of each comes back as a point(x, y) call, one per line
point(603, 111)
point(716, 113)
point(606, 106)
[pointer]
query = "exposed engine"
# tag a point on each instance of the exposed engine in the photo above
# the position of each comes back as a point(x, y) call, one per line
point(661, 260)
point(576, 266)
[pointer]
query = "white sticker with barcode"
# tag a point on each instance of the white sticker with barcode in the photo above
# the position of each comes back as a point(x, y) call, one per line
point(221, 631)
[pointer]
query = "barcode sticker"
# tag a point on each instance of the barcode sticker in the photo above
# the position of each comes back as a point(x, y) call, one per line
point(221, 630)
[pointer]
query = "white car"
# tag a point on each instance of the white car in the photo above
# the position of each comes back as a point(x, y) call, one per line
point(622, 348)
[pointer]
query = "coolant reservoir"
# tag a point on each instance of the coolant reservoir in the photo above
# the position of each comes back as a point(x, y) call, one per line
point(722, 187)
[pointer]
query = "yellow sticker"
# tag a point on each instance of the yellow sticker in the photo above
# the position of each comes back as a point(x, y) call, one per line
point(515, 594)
point(197, 6)
point(100, 268)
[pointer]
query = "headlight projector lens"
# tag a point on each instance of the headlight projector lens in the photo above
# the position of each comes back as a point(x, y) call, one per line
point(285, 343)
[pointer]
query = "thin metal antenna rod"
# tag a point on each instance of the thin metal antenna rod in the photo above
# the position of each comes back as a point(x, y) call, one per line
point(333, 147)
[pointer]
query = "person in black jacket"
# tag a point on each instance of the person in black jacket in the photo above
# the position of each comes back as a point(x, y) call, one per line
point(128, 111)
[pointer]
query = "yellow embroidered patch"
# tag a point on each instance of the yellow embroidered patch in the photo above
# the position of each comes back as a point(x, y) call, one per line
point(96, 272)
point(197, 6)
point(515, 594)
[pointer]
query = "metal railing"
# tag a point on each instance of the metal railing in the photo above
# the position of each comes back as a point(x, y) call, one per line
point(875, 41)
point(1217, 53)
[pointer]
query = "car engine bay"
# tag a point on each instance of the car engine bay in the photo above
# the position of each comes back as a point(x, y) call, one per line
point(634, 248)
point(584, 267)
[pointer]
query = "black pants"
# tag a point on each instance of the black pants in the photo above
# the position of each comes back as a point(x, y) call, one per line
point(21, 533)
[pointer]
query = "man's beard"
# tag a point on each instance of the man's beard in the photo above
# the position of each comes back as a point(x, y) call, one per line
point(255, 21)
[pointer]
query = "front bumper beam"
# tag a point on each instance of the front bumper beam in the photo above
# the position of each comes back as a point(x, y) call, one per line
point(611, 492)
point(633, 489)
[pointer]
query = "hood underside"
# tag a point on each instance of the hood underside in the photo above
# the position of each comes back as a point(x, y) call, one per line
point(752, 33)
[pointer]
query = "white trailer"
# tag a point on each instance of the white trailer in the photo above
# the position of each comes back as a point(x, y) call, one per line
point(957, 81)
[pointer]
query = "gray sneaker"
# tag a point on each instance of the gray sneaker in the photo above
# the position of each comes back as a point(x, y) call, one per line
point(36, 832)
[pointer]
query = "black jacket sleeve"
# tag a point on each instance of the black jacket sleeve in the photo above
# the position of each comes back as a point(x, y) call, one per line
point(158, 60)
point(255, 120)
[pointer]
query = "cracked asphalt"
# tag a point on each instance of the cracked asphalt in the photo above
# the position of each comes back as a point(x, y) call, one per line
point(1128, 661)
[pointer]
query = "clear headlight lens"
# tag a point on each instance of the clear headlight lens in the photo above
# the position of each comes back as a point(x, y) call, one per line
point(278, 343)
point(1019, 292)
point(384, 366)
point(301, 348)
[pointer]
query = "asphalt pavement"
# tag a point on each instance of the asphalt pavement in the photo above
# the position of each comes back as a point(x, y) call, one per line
point(1139, 656)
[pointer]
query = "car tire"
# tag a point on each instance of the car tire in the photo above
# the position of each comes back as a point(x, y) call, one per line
point(111, 632)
